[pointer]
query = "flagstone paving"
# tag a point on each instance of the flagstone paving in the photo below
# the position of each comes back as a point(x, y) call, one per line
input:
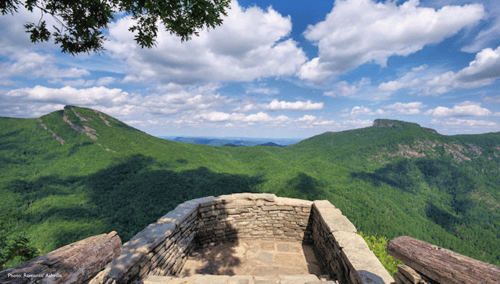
point(253, 257)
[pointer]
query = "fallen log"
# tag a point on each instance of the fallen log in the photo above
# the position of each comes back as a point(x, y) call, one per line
point(74, 263)
point(440, 264)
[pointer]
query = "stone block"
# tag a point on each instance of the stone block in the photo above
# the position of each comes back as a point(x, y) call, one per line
point(293, 202)
point(226, 198)
point(123, 264)
point(204, 200)
point(368, 266)
point(294, 279)
point(179, 214)
point(350, 240)
point(151, 279)
point(339, 223)
point(150, 237)
point(323, 204)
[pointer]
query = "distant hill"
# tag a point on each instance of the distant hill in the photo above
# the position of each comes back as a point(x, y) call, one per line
point(271, 144)
point(236, 141)
point(77, 172)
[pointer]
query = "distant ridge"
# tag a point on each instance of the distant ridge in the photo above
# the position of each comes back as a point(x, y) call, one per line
point(271, 144)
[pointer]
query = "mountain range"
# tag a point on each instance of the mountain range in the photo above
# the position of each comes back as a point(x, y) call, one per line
point(77, 172)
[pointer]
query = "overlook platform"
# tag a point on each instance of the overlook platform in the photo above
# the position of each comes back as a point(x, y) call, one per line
point(243, 238)
point(254, 257)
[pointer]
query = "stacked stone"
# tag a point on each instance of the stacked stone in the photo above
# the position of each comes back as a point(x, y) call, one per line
point(344, 253)
point(160, 249)
point(163, 247)
point(245, 216)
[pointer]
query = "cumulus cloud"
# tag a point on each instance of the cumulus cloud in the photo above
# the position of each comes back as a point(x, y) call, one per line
point(360, 31)
point(361, 110)
point(396, 85)
point(492, 33)
point(457, 122)
point(251, 43)
point(103, 81)
point(494, 99)
point(298, 105)
point(344, 89)
point(482, 71)
point(466, 108)
point(116, 102)
point(246, 108)
point(34, 64)
point(13, 33)
point(465, 125)
point(264, 119)
point(260, 90)
point(406, 108)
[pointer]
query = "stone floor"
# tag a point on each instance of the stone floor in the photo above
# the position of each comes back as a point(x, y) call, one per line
point(254, 257)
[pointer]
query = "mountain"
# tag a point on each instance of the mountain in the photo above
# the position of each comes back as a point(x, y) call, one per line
point(78, 172)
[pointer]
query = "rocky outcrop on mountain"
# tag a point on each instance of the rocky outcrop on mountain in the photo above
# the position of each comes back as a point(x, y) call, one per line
point(385, 123)
point(102, 117)
point(51, 132)
point(401, 124)
point(87, 130)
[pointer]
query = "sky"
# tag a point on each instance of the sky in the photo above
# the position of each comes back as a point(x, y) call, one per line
point(275, 69)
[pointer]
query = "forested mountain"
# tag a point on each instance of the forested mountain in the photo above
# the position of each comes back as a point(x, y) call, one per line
point(77, 172)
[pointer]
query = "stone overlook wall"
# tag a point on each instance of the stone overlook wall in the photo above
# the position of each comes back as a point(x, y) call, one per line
point(163, 247)
point(344, 253)
point(262, 216)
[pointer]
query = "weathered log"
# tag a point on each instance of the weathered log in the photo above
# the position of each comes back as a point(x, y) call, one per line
point(440, 264)
point(74, 263)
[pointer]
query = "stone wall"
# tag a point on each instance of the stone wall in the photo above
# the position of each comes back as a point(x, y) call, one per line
point(163, 247)
point(344, 253)
point(262, 216)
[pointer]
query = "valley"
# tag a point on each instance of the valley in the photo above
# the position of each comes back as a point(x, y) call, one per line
point(77, 172)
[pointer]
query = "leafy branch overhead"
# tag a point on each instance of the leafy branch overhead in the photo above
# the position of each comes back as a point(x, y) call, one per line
point(81, 23)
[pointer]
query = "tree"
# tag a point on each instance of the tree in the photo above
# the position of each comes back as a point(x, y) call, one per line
point(81, 22)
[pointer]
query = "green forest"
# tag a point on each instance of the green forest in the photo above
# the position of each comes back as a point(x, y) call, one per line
point(76, 173)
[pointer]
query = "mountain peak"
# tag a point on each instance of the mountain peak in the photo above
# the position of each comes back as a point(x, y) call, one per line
point(400, 124)
point(387, 123)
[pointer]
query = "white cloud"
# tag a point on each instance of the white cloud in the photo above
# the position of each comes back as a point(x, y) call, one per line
point(466, 108)
point(246, 108)
point(238, 119)
point(492, 33)
point(406, 108)
point(494, 99)
point(396, 85)
point(33, 65)
point(103, 81)
point(344, 89)
point(360, 31)
point(356, 123)
point(361, 110)
point(483, 71)
point(245, 47)
point(265, 91)
point(466, 125)
point(298, 105)
point(13, 33)
point(177, 103)
point(457, 123)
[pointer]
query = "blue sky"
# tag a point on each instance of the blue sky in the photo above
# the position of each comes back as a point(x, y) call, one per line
point(276, 69)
